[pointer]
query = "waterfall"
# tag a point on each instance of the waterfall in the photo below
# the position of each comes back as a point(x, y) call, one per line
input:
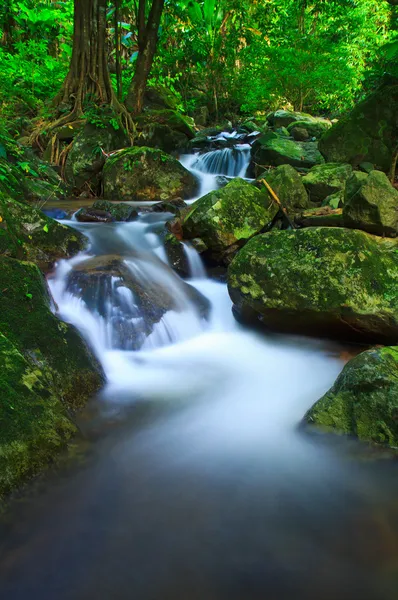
point(196, 267)
point(232, 162)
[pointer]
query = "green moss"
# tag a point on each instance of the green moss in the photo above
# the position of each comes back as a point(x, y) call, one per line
point(364, 399)
point(324, 180)
point(325, 281)
point(27, 321)
point(288, 185)
point(281, 151)
point(146, 174)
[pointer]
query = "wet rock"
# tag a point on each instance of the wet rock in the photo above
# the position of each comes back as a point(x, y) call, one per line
point(320, 281)
point(86, 160)
point(27, 233)
point(119, 212)
point(364, 399)
point(92, 215)
point(176, 255)
point(314, 128)
point(288, 185)
point(300, 134)
point(271, 151)
point(369, 133)
point(324, 180)
point(145, 174)
point(225, 219)
point(169, 207)
point(373, 207)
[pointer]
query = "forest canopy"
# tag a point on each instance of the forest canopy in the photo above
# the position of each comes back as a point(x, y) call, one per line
point(225, 57)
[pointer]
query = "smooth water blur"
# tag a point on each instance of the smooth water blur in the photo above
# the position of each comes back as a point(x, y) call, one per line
point(198, 482)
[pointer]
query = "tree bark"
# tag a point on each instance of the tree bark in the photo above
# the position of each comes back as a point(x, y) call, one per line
point(147, 42)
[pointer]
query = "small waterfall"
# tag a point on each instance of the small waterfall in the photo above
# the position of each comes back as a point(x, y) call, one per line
point(196, 268)
point(232, 162)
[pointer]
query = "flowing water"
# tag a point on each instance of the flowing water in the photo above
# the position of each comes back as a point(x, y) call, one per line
point(195, 481)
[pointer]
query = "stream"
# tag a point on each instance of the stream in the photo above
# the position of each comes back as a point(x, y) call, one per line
point(193, 479)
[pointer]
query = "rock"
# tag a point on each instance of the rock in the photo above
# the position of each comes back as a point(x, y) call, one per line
point(281, 151)
point(368, 134)
point(154, 135)
point(367, 167)
point(374, 207)
point(314, 128)
point(56, 213)
point(325, 216)
point(160, 97)
point(364, 399)
point(282, 131)
point(56, 348)
point(288, 186)
point(138, 303)
point(335, 200)
point(85, 159)
point(145, 174)
point(171, 118)
point(34, 424)
point(319, 281)
point(353, 184)
point(222, 180)
point(300, 134)
point(169, 207)
point(119, 212)
point(283, 118)
point(29, 234)
point(92, 215)
point(324, 180)
point(176, 255)
point(225, 219)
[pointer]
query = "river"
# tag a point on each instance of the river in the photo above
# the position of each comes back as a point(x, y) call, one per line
point(192, 478)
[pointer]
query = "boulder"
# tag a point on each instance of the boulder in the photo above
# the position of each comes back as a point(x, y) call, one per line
point(271, 151)
point(155, 135)
point(176, 255)
point(171, 118)
point(86, 160)
point(324, 180)
point(27, 233)
point(283, 118)
point(92, 215)
point(119, 212)
point(138, 303)
point(321, 281)
point(300, 134)
point(227, 218)
point(146, 174)
point(160, 97)
point(374, 206)
point(34, 423)
point(369, 133)
point(314, 128)
point(288, 185)
point(364, 399)
point(56, 348)
point(326, 216)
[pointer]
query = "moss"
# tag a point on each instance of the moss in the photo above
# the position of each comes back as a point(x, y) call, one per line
point(228, 216)
point(364, 399)
point(315, 128)
point(288, 185)
point(147, 174)
point(33, 423)
point(280, 151)
point(120, 212)
point(27, 321)
point(323, 281)
point(324, 180)
point(171, 118)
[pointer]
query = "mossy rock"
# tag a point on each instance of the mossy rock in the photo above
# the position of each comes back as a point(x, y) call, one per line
point(321, 281)
point(146, 174)
point(280, 151)
point(363, 402)
point(120, 212)
point(225, 219)
point(288, 185)
point(27, 233)
point(369, 133)
point(284, 118)
point(324, 180)
point(34, 425)
point(56, 348)
point(160, 97)
point(155, 135)
point(314, 128)
point(85, 159)
point(172, 118)
point(373, 207)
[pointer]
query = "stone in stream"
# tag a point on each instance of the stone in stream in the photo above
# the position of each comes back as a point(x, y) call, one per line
point(93, 215)
point(324, 180)
point(372, 204)
point(288, 185)
point(321, 281)
point(271, 151)
point(27, 233)
point(226, 218)
point(369, 133)
point(146, 174)
point(138, 302)
point(364, 399)
point(119, 212)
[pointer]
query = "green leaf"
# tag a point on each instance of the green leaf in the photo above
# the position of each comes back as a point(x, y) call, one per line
point(45, 228)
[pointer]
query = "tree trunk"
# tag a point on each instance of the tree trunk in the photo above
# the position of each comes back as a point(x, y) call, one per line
point(88, 72)
point(147, 42)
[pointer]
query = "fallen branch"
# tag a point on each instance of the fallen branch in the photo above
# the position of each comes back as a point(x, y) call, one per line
point(279, 203)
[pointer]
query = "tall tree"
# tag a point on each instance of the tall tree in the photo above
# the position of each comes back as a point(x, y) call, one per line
point(148, 30)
